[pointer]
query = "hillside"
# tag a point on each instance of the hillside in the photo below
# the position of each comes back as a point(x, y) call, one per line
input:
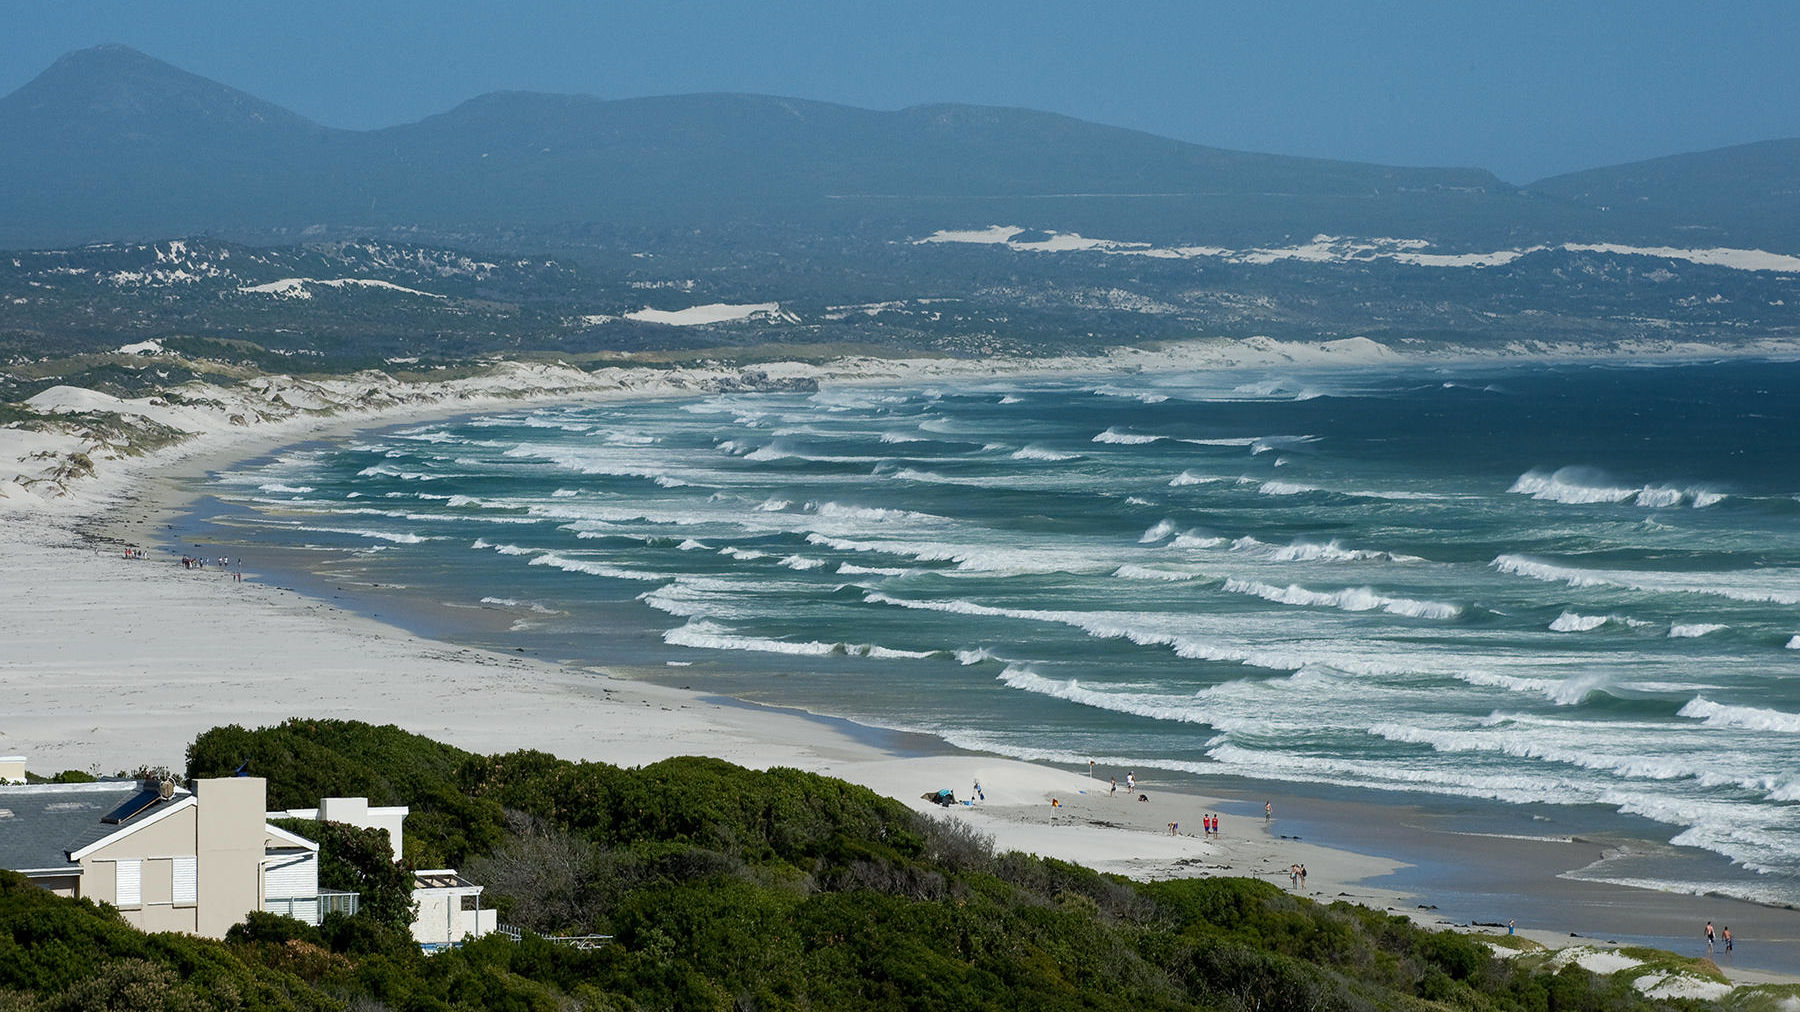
point(1748, 194)
point(109, 143)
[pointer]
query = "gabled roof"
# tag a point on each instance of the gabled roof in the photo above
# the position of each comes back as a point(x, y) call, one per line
point(291, 839)
point(40, 824)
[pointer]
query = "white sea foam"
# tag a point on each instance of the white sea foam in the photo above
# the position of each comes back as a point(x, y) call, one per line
point(275, 486)
point(1190, 478)
point(1751, 717)
point(1583, 486)
point(1131, 572)
point(1113, 435)
point(742, 554)
point(976, 656)
point(1312, 551)
point(592, 568)
point(1285, 488)
point(1794, 644)
point(801, 562)
point(1349, 599)
point(1694, 630)
point(1568, 621)
point(852, 569)
point(1195, 540)
point(871, 514)
point(399, 539)
point(690, 545)
point(706, 635)
point(900, 437)
point(1163, 529)
point(1039, 453)
point(1757, 586)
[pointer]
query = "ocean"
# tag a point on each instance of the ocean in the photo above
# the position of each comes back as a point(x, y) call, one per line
point(1569, 592)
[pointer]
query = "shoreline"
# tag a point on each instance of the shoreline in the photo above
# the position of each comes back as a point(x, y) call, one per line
point(158, 634)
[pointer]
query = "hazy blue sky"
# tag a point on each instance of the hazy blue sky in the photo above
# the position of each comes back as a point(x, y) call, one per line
point(1526, 90)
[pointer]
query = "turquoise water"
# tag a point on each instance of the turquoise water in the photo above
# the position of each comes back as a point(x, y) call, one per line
point(1570, 585)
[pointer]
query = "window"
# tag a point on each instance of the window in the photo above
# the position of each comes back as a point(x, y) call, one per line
point(187, 880)
point(471, 901)
point(128, 890)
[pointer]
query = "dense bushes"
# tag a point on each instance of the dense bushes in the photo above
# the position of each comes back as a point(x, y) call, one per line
point(732, 888)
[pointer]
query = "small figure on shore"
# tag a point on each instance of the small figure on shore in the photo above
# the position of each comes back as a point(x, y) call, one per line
point(1055, 803)
point(1090, 769)
point(1727, 938)
point(979, 796)
point(1173, 826)
point(1131, 781)
point(1709, 936)
point(1268, 811)
point(1143, 797)
point(1509, 927)
point(1294, 876)
point(1303, 877)
point(1115, 787)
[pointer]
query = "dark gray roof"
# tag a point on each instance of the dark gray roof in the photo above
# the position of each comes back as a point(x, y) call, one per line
point(41, 823)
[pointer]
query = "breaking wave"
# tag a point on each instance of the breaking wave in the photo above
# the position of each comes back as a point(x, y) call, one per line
point(1583, 486)
point(1350, 599)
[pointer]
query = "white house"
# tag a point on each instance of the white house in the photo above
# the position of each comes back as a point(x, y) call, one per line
point(449, 906)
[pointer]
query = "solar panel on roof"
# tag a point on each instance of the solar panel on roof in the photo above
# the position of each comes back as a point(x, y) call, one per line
point(133, 806)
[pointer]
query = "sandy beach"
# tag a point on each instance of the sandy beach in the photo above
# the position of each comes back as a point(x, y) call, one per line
point(109, 663)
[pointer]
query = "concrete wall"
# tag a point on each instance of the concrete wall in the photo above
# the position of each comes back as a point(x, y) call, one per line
point(230, 846)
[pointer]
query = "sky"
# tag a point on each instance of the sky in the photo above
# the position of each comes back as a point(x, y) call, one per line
point(1527, 90)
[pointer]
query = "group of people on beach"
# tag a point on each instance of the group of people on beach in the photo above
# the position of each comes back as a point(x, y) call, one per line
point(1297, 875)
point(200, 562)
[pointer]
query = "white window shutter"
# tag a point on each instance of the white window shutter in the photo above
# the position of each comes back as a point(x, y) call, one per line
point(130, 883)
point(187, 880)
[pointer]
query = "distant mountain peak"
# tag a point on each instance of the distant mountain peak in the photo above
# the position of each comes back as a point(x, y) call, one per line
point(125, 89)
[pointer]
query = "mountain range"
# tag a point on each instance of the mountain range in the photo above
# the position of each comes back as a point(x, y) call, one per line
point(111, 144)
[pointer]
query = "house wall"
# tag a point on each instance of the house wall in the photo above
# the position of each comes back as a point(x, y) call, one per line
point(441, 918)
point(155, 846)
point(359, 813)
point(230, 845)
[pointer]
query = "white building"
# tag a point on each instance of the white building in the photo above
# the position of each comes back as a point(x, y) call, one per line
point(449, 906)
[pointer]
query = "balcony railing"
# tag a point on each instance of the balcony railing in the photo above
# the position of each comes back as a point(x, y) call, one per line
point(312, 909)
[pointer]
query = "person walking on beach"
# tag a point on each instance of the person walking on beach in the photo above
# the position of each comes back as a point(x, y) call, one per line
point(978, 795)
point(1294, 876)
point(1709, 936)
point(1303, 877)
point(1115, 787)
point(1727, 938)
point(1131, 781)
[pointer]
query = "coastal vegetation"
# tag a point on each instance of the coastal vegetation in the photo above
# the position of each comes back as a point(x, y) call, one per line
point(723, 887)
